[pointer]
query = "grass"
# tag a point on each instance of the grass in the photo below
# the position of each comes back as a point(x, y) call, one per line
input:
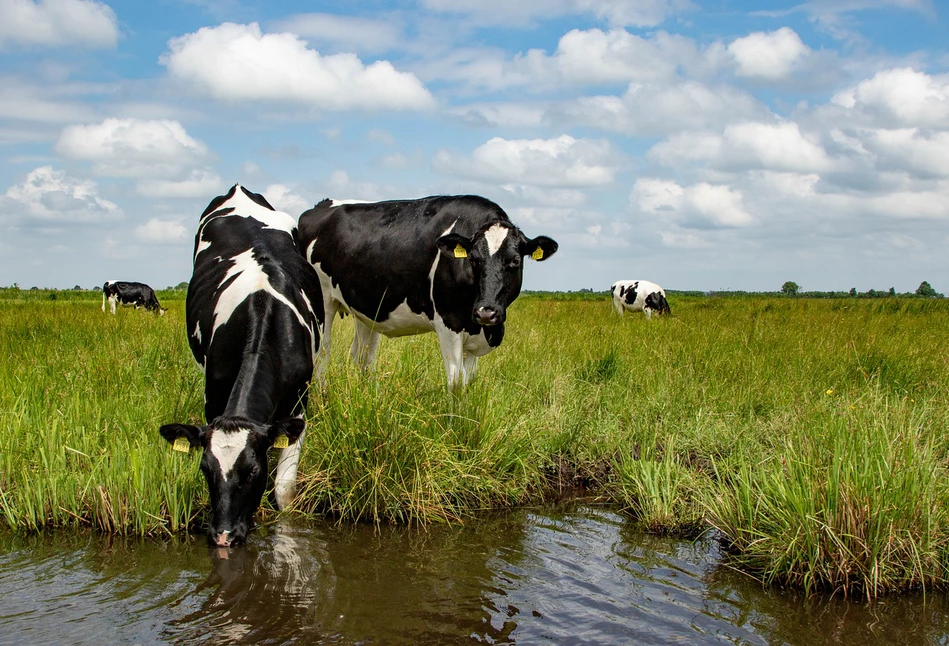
point(811, 435)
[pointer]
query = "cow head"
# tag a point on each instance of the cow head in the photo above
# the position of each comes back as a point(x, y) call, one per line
point(495, 255)
point(234, 464)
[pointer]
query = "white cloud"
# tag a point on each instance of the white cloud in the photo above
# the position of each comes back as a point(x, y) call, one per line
point(239, 63)
point(52, 196)
point(617, 56)
point(132, 147)
point(57, 23)
point(162, 231)
point(910, 150)
point(640, 13)
point(650, 110)
point(284, 199)
point(349, 33)
point(768, 55)
point(897, 98)
point(699, 206)
point(199, 183)
point(516, 115)
point(748, 145)
point(562, 162)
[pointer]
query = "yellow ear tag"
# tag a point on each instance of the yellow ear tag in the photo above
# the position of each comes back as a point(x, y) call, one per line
point(460, 252)
point(182, 444)
point(538, 254)
point(281, 442)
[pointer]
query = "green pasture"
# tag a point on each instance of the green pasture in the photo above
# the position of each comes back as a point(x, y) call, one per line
point(812, 436)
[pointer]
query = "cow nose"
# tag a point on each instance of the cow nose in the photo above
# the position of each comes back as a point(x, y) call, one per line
point(487, 316)
point(222, 540)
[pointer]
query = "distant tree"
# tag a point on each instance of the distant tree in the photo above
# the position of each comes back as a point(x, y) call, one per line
point(182, 285)
point(892, 291)
point(925, 289)
point(77, 288)
point(853, 291)
point(790, 288)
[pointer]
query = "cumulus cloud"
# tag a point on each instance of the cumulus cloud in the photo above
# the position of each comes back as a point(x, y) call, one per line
point(642, 13)
point(897, 98)
point(699, 206)
point(132, 147)
point(240, 63)
point(750, 145)
point(564, 162)
point(57, 23)
point(768, 55)
point(159, 231)
point(651, 110)
point(51, 196)
point(346, 33)
point(199, 183)
point(284, 199)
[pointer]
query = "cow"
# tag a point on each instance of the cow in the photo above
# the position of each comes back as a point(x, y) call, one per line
point(129, 293)
point(445, 264)
point(639, 296)
point(253, 316)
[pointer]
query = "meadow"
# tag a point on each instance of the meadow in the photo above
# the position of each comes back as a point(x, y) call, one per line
point(811, 436)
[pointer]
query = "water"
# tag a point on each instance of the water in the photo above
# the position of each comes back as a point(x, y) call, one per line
point(581, 576)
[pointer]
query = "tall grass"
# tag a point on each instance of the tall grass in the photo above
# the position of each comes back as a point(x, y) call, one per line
point(812, 435)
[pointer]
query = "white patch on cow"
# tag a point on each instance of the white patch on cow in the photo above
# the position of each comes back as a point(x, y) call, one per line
point(249, 278)
point(402, 321)
point(227, 447)
point(495, 237)
point(197, 332)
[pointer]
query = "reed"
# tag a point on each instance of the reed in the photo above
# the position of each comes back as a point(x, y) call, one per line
point(811, 435)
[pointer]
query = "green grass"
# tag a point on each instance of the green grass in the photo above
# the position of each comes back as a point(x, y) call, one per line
point(811, 435)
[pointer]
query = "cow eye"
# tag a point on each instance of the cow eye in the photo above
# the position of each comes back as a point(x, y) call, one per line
point(515, 263)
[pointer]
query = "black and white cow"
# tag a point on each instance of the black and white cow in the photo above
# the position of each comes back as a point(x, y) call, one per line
point(639, 296)
point(254, 313)
point(129, 293)
point(451, 265)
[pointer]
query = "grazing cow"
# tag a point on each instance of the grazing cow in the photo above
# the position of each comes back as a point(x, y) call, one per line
point(129, 293)
point(451, 265)
point(254, 313)
point(639, 296)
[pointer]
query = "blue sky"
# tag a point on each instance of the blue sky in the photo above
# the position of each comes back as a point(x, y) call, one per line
point(700, 145)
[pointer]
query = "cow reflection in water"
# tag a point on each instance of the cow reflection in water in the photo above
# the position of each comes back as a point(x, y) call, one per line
point(271, 587)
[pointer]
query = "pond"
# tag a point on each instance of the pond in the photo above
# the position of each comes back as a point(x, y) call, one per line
point(580, 575)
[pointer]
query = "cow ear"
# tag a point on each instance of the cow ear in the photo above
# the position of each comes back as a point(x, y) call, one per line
point(540, 248)
point(290, 428)
point(455, 245)
point(177, 434)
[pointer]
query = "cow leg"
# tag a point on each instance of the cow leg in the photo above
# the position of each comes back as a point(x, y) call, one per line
point(452, 347)
point(323, 363)
point(470, 367)
point(103, 301)
point(112, 301)
point(618, 306)
point(365, 345)
point(285, 481)
point(648, 312)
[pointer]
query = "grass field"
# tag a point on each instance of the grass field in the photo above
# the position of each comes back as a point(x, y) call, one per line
point(812, 434)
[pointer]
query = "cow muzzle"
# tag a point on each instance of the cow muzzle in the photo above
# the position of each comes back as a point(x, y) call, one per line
point(488, 316)
point(223, 539)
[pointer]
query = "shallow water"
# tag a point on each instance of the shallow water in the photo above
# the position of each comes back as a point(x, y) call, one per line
point(582, 576)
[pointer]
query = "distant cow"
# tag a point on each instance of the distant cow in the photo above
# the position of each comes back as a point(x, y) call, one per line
point(451, 265)
point(129, 293)
point(254, 313)
point(639, 296)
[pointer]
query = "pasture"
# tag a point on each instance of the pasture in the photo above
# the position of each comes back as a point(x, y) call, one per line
point(812, 435)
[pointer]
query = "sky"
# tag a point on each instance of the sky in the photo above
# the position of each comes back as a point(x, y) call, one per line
point(700, 145)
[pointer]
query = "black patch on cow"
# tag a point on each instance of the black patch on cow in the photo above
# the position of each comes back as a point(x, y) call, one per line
point(630, 297)
point(657, 302)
